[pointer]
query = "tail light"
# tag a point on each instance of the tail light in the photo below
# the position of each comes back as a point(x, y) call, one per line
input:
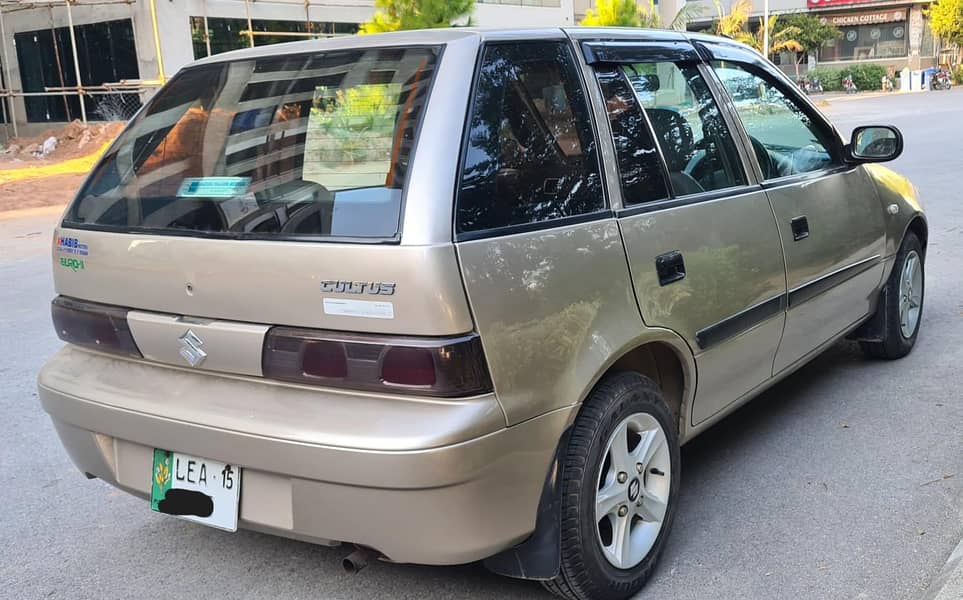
point(446, 367)
point(96, 326)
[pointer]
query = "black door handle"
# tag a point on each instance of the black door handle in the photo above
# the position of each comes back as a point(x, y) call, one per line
point(670, 267)
point(800, 228)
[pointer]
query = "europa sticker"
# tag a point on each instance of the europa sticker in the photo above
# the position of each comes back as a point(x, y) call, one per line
point(74, 264)
point(71, 245)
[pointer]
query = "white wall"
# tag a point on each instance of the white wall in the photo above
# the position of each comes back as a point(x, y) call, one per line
point(507, 15)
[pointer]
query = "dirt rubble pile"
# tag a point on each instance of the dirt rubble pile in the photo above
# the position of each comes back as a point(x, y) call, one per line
point(69, 141)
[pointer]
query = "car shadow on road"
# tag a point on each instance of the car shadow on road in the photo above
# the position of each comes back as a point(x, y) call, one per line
point(730, 438)
point(265, 566)
point(727, 441)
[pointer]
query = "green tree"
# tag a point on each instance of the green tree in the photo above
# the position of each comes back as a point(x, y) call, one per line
point(397, 15)
point(628, 13)
point(622, 13)
point(782, 38)
point(735, 25)
point(812, 33)
point(946, 20)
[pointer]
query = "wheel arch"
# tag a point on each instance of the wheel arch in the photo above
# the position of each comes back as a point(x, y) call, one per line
point(918, 226)
point(871, 330)
point(660, 355)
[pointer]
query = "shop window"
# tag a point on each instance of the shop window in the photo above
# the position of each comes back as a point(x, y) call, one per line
point(228, 34)
point(869, 41)
point(105, 53)
point(928, 44)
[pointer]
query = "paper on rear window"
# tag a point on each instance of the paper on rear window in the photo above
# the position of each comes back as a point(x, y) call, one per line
point(303, 146)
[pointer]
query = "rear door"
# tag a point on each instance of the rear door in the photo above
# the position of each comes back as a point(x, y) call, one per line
point(539, 247)
point(828, 214)
point(701, 238)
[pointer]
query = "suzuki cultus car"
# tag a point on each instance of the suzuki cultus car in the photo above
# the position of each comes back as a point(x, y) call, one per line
point(456, 295)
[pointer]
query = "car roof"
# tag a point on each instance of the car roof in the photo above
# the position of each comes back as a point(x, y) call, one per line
point(448, 35)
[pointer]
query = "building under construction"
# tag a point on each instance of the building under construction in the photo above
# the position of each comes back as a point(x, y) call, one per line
point(100, 59)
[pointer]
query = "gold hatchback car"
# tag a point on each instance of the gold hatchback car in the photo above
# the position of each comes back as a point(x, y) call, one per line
point(459, 295)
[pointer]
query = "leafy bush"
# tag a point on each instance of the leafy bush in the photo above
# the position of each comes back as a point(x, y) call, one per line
point(958, 74)
point(866, 77)
point(832, 79)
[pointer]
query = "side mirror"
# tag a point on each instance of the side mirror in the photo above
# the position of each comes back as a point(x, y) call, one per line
point(875, 143)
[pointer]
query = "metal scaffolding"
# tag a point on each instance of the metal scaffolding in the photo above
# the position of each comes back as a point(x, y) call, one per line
point(139, 86)
point(80, 90)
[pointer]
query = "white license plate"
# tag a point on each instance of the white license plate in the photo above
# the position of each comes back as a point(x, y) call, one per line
point(197, 489)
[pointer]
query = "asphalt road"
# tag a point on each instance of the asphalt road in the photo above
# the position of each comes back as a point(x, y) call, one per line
point(831, 485)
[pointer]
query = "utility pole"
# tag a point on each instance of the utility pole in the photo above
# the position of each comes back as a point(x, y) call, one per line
point(765, 29)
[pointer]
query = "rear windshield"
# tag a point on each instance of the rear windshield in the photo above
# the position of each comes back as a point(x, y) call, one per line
point(302, 146)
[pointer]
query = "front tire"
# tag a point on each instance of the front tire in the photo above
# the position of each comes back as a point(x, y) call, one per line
point(903, 303)
point(619, 484)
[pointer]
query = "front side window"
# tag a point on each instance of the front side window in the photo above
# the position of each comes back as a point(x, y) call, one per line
point(530, 154)
point(696, 143)
point(305, 146)
point(785, 139)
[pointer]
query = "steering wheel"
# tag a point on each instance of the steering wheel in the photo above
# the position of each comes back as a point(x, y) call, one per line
point(694, 166)
point(766, 164)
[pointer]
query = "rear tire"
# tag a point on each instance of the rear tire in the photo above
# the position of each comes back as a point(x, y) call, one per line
point(902, 304)
point(619, 481)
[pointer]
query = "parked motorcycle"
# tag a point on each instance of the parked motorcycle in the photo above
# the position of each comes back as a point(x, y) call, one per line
point(940, 81)
point(849, 86)
point(810, 86)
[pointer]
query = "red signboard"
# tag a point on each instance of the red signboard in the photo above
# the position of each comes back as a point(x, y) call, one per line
point(829, 3)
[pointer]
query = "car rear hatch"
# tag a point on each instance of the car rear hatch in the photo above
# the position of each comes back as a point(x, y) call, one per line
point(308, 189)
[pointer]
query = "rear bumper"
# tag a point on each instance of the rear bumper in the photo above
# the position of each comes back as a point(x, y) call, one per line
point(432, 482)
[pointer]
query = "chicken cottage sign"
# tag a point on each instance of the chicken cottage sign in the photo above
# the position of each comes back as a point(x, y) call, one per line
point(865, 18)
point(830, 3)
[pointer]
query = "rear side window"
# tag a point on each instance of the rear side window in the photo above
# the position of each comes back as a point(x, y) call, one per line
point(530, 154)
point(303, 146)
point(640, 167)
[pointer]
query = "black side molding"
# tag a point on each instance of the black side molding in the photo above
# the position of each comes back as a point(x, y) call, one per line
point(752, 316)
point(810, 290)
point(739, 322)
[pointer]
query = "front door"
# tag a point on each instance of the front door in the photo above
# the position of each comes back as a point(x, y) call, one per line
point(828, 215)
point(701, 241)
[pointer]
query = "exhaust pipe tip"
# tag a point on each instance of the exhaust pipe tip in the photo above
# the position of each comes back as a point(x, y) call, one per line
point(354, 562)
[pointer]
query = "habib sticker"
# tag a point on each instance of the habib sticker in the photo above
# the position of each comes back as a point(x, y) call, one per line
point(213, 187)
point(71, 245)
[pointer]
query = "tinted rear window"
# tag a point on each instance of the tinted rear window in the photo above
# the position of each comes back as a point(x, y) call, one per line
point(530, 154)
point(304, 146)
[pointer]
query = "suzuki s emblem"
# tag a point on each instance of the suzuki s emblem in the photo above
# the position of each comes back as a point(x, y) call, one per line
point(634, 488)
point(191, 348)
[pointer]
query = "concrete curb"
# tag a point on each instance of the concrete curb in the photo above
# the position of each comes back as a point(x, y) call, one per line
point(948, 585)
point(868, 95)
